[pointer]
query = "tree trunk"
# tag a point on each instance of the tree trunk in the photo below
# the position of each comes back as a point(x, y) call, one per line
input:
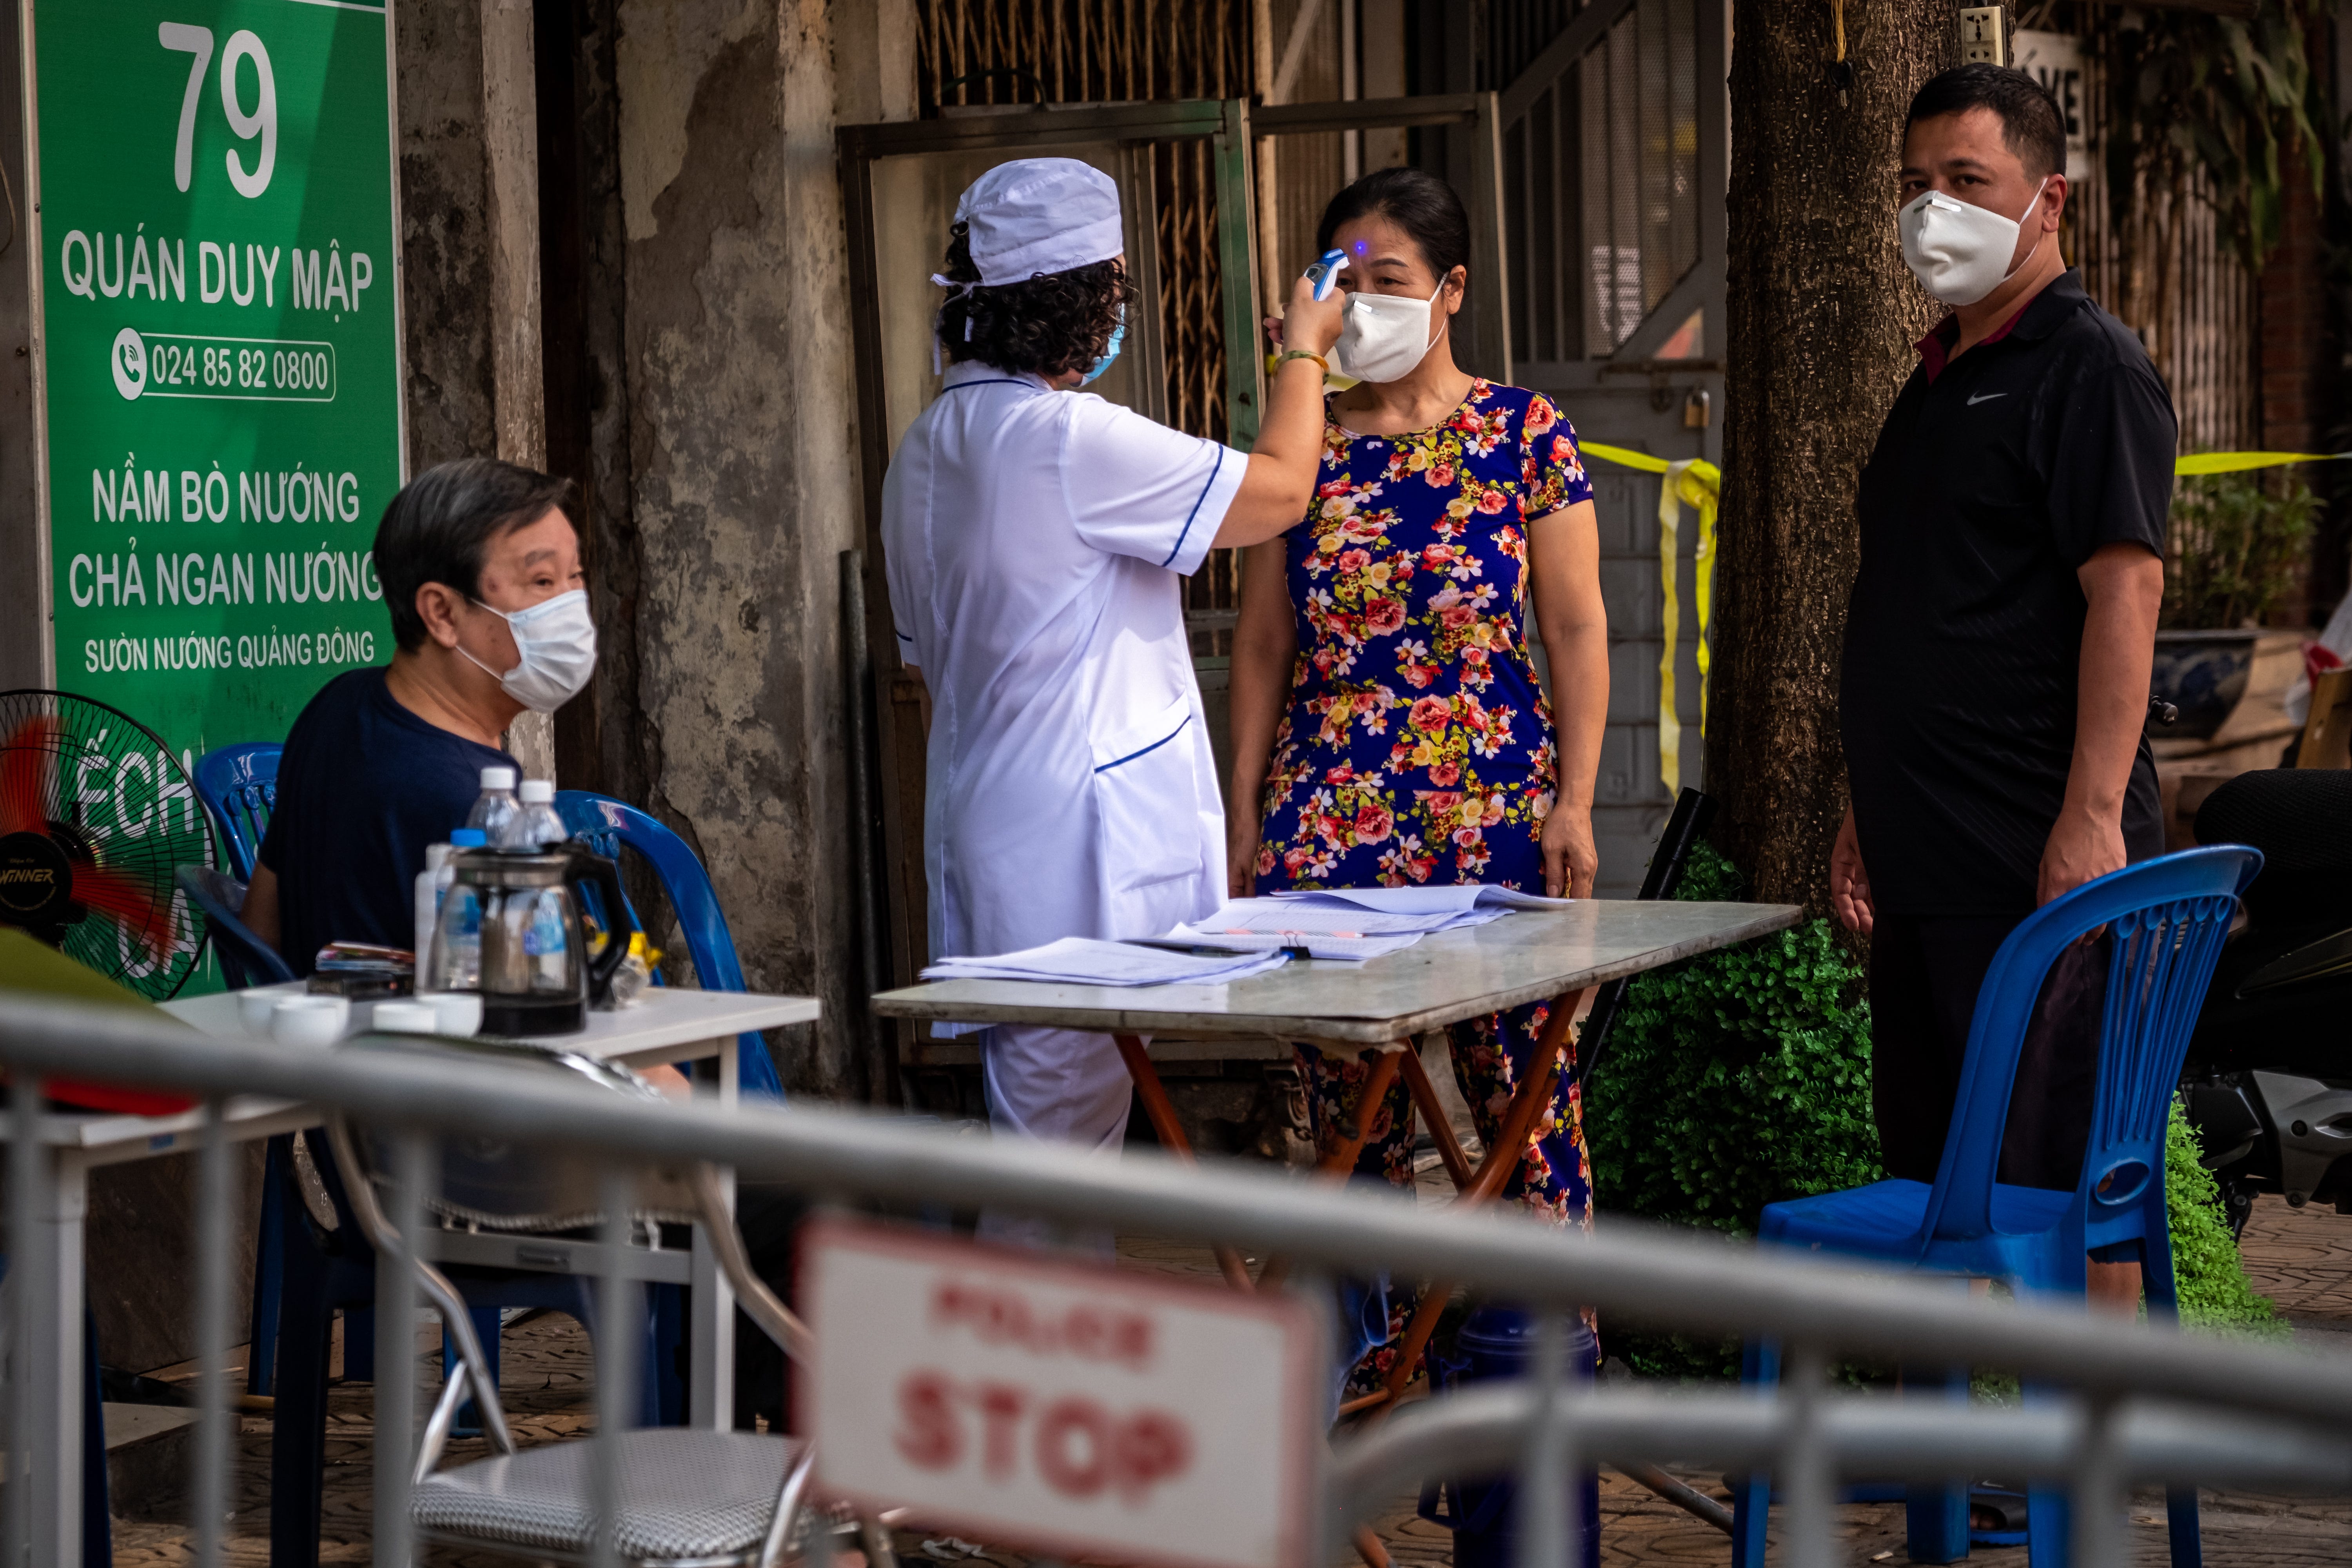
point(1822, 314)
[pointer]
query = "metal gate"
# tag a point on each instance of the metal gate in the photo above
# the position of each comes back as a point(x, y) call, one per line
point(978, 56)
point(900, 181)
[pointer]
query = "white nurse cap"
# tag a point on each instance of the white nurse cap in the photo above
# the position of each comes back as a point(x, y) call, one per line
point(1038, 216)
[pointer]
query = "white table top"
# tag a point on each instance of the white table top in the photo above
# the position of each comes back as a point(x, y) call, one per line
point(110, 1138)
point(670, 1025)
point(669, 1018)
point(1533, 955)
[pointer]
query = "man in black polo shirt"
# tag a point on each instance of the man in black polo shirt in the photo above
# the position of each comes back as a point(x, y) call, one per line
point(1997, 647)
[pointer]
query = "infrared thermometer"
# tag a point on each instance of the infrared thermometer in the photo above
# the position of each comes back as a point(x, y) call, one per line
point(1325, 274)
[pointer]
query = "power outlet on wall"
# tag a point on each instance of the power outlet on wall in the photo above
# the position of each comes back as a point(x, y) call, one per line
point(1982, 36)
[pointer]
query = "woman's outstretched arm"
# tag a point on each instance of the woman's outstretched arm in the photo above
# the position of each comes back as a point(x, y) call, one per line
point(1278, 486)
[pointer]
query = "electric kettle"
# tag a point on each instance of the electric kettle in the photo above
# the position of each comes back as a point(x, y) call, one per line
point(510, 929)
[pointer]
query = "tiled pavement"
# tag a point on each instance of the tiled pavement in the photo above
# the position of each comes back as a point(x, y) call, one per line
point(2303, 1259)
point(544, 1381)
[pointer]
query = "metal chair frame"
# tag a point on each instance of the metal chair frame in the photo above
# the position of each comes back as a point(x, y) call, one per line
point(470, 1377)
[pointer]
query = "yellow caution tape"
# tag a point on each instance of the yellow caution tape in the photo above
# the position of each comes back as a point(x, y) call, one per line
point(1691, 481)
point(1699, 483)
point(2239, 462)
point(2194, 463)
point(1624, 456)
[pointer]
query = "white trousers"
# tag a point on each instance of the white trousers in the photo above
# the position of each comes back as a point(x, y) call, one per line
point(1057, 1086)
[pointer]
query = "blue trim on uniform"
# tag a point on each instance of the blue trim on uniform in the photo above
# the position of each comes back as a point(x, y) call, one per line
point(903, 636)
point(1148, 749)
point(985, 381)
point(1196, 510)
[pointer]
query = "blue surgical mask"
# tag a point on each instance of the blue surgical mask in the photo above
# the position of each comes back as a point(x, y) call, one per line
point(1110, 349)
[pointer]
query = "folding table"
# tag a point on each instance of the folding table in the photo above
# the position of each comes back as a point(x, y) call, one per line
point(1381, 1005)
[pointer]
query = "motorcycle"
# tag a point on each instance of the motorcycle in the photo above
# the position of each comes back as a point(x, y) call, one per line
point(2267, 1083)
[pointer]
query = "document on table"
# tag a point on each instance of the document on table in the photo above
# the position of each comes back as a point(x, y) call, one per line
point(1353, 923)
point(1456, 899)
point(1080, 961)
point(1346, 940)
point(1319, 930)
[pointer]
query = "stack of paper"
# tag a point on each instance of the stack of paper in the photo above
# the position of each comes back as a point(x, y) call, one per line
point(1351, 923)
point(1463, 899)
point(1250, 936)
point(1265, 925)
point(1078, 961)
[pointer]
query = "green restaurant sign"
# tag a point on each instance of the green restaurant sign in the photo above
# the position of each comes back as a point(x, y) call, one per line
point(216, 346)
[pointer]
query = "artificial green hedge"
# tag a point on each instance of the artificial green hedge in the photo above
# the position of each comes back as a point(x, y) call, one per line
point(1734, 1080)
point(1743, 1078)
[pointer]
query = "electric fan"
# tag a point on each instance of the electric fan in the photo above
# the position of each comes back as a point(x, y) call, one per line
point(96, 815)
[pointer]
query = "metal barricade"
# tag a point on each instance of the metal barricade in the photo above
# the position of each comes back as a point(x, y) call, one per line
point(2132, 1403)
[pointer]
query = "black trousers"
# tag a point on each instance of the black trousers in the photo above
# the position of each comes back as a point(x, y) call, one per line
point(769, 1216)
point(1924, 978)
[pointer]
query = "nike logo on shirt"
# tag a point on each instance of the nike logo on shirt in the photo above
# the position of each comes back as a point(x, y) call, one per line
point(1976, 398)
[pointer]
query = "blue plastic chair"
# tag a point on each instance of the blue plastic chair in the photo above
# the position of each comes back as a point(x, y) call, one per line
point(238, 784)
point(2167, 919)
point(246, 960)
point(605, 824)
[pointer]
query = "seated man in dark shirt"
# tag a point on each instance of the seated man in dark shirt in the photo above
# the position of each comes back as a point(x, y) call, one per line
point(489, 616)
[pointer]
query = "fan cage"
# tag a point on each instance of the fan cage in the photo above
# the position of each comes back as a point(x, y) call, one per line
point(108, 793)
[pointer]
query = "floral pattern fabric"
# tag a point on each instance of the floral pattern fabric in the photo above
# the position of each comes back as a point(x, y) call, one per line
point(1416, 745)
point(1417, 742)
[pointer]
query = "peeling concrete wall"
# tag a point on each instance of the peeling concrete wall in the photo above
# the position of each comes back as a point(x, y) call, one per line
point(510, 157)
point(707, 409)
point(601, 740)
point(743, 456)
point(470, 250)
point(444, 232)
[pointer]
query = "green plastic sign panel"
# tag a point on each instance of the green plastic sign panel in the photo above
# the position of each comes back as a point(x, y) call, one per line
point(218, 333)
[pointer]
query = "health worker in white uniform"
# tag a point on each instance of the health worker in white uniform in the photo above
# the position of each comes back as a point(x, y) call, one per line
point(1035, 535)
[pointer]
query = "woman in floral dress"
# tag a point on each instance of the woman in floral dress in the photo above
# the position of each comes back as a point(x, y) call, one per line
point(1386, 710)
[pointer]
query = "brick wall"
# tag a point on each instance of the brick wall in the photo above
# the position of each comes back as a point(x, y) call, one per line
point(2296, 352)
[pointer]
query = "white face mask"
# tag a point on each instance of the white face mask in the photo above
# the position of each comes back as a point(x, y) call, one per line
point(556, 641)
point(1383, 336)
point(1961, 253)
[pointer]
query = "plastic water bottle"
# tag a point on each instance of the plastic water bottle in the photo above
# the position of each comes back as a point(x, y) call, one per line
point(430, 882)
point(497, 804)
point(456, 958)
point(534, 825)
